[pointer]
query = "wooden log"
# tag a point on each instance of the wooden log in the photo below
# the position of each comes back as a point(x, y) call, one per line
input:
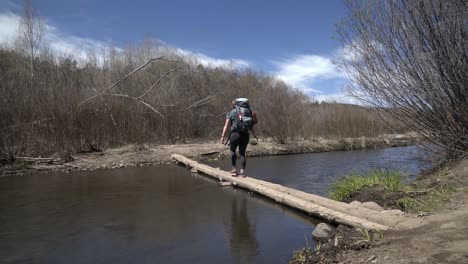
point(38, 160)
point(209, 153)
point(224, 184)
point(332, 211)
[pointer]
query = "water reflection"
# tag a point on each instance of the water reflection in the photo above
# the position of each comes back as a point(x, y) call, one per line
point(241, 233)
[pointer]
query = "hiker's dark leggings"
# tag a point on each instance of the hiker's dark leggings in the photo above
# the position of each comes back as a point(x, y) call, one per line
point(241, 140)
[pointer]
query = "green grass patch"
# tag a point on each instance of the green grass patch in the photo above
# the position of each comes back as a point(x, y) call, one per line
point(345, 187)
point(426, 201)
point(388, 189)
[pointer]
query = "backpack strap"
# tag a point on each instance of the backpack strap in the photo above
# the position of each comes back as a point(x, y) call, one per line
point(237, 121)
point(239, 114)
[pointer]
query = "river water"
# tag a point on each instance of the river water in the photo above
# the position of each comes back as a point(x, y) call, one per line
point(164, 214)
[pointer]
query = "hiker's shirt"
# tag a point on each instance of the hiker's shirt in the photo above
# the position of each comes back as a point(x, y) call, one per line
point(233, 119)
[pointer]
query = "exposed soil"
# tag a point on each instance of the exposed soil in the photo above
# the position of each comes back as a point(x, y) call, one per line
point(441, 237)
point(378, 195)
point(141, 155)
point(345, 239)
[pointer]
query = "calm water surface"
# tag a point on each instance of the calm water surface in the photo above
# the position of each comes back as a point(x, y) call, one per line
point(315, 172)
point(163, 214)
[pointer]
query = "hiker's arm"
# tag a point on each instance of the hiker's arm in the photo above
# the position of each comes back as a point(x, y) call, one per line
point(225, 128)
point(253, 133)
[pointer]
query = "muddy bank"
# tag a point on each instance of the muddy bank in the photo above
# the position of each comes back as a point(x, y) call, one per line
point(142, 155)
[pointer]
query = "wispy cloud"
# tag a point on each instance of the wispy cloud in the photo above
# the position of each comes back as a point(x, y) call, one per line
point(213, 62)
point(64, 43)
point(196, 58)
point(57, 40)
point(80, 47)
point(10, 5)
point(303, 71)
point(8, 26)
point(14, 5)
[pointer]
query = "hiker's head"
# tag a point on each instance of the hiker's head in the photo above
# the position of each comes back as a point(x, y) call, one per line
point(232, 103)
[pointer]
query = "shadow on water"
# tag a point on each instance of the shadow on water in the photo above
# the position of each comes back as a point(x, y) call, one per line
point(240, 233)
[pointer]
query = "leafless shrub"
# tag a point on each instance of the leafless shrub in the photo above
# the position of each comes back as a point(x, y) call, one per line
point(121, 97)
point(79, 107)
point(30, 32)
point(409, 58)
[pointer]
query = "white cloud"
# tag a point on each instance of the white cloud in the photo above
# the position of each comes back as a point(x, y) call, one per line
point(64, 43)
point(57, 40)
point(318, 76)
point(208, 61)
point(303, 70)
point(350, 53)
point(8, 26)
point(80, 47)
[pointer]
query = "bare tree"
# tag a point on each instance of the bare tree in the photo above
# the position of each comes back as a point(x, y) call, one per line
point(121, 97)
point(409, 58)
point(31, 31)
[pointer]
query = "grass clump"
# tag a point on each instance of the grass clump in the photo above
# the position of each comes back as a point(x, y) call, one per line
point(387, 189)
point(301, 255)
point(344, 188)
point(426, 200)
point(370, 235)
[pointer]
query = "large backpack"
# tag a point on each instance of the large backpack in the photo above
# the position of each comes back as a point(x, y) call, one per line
point(244, 119)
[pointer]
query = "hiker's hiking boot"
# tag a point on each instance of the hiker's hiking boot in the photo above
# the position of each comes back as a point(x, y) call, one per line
point(233, 172)
point(241, 174)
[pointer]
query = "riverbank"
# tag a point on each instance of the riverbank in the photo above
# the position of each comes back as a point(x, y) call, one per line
point(143, 155)
point(441, 236)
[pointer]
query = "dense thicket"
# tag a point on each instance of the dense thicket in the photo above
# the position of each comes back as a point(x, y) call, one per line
point(49, 111)
point(411, 59)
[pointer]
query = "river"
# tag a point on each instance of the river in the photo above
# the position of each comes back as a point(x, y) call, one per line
point(165, 214)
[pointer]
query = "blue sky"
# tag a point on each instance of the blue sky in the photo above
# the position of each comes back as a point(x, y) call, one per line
point(291, 39)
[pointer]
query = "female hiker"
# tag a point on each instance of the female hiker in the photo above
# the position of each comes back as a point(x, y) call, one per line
point(240, 121)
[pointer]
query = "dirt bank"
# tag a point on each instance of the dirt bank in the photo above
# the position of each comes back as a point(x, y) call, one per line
point(441, 237)
point(141, 155)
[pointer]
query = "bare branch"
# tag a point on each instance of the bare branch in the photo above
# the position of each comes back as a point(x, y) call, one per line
point(121, 80)
point(30, 32)
point(138, 100)
point(409, 57)
point(201, 102)
point(107, 107)
point(159, 80)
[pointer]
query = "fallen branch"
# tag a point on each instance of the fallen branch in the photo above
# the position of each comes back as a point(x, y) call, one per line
point(157, 82)
point(108, 107)
point(203, 101)
point(117, 83)
point(138, 100)
point(37, 160)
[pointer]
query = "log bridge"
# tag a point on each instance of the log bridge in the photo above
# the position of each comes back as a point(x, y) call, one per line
point(331, 211)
